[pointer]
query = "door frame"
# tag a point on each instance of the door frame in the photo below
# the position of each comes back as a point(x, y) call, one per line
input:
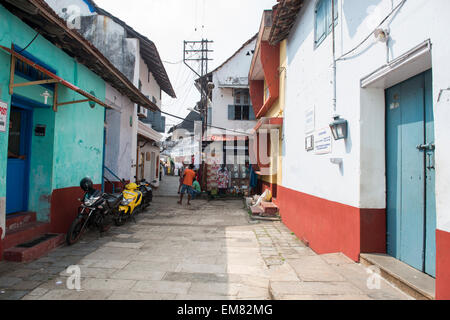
point(28, 110)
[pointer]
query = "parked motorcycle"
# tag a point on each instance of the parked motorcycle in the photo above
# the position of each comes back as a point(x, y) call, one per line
point(96, 211)
point(130, 205)
point(147, 191)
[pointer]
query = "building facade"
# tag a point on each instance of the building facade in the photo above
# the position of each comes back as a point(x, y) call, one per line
point(267, 87)
point(136, 57)
point(230, 107)
point(383, 188)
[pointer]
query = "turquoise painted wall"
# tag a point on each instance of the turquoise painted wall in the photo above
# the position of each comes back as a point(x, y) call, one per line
point(73, 145)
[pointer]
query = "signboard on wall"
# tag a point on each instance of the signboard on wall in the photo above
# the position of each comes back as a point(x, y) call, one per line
point(3, 116)
point(322, 141)
point(310, 120)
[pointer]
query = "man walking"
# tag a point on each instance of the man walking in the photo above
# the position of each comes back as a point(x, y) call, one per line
point(188, 179)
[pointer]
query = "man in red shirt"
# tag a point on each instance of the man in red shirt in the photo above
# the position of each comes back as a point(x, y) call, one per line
point(188, 180)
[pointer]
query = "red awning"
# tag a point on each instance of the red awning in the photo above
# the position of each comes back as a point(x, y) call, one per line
point(214, 138)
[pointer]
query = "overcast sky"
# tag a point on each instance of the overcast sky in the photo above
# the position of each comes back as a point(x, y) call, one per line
point(229, 23)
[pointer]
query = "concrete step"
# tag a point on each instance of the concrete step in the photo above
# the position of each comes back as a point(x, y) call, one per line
point(25, 233)
point(256, 211)
point(34, 249)
point(18, 220)
point(270, 209)
point(411, 281)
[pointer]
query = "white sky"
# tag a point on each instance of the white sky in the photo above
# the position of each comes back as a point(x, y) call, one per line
point(229, 23)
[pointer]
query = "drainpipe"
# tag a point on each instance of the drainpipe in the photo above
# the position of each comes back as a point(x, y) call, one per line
point(333, 10)
point(104, 149)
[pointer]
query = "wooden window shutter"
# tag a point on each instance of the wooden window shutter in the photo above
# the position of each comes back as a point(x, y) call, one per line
point(231, 112)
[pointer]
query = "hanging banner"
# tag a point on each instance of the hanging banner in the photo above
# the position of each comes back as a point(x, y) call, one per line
point(3, 116)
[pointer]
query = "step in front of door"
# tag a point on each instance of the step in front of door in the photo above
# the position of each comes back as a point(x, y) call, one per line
point(411, 281)
point(19, 220)
point(25, 233)
point(34, 249)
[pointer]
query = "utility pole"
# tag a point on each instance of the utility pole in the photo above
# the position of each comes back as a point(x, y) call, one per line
point(197, 52)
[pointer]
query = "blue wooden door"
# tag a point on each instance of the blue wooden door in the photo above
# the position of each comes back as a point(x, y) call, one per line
point(18, 161)
point(411, 213)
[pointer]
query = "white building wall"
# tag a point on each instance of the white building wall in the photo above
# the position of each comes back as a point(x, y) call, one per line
point(360, 180)
point(149, 85)
point(119, 135)
point(237, 67)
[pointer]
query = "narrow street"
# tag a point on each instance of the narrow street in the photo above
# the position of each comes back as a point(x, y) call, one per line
point(207, 251)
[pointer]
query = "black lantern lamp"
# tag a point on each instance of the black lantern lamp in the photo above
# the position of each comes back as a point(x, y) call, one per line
point(339, 128)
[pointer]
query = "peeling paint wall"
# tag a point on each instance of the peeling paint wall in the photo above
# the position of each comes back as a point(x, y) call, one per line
point(110, 38)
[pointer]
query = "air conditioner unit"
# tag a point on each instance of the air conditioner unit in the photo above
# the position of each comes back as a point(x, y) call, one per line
point(142, 112)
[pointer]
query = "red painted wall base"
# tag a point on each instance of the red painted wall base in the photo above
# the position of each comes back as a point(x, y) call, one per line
point(117, 186)
point(442, 265)
point(64, 207)
point(1, 244)
point(330, 227)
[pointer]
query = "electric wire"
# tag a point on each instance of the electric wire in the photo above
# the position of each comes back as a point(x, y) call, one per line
point(210, 126)
point(29, 44)
point(342, 57)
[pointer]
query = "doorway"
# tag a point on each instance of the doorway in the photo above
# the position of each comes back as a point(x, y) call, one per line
point(19, 150)
point(410, 150)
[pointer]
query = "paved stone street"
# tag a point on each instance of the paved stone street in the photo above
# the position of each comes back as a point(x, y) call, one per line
point(206, 251)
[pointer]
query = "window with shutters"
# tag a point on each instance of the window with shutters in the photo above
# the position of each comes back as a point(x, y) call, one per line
point(323, 25)
point(242, 109)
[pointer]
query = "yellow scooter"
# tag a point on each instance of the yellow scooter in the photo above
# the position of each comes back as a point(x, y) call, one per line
point(131, 204)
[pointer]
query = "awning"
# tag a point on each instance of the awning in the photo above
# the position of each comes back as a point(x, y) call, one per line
point(53, 79)
point(148, 133)
point(214, 138)
point(269, 123)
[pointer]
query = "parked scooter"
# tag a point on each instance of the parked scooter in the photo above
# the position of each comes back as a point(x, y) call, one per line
point(147, 191)
point(130, 205)
point(96, 211)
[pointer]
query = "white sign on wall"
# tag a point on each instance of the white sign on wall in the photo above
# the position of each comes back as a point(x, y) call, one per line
point(322, 141)
point(310, 120)
point(3, 116)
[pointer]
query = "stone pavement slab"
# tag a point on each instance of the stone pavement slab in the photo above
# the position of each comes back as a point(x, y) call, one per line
point(208, 251)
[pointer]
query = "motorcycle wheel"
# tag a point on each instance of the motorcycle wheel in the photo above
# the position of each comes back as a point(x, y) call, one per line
point(120, 220)
point(75, 231)
point(106, 225)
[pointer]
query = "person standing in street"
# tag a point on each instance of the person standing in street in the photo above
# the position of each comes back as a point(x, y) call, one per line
point(181, 174)
point(188, 180)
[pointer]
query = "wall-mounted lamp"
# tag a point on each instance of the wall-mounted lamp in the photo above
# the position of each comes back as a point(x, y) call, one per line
point(46, 95)
point(339, 128)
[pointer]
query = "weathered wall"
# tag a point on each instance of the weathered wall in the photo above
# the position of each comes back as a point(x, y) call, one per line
point(110, 39)
point(71, 9)
point(237, 67)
